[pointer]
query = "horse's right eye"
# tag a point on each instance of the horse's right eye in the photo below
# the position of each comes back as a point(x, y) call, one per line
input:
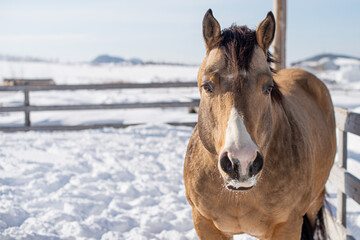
point(267, 89)
point(207, 87)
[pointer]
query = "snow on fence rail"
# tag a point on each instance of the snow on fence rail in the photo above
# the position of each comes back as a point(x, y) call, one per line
point(27, 107)
point(346, 183)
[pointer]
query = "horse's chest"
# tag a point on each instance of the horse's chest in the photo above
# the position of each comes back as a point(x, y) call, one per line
point(250, 221)
point(239, 214)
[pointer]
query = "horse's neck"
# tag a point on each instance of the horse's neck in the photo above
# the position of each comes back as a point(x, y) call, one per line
point(282, 121)
point(287, 139)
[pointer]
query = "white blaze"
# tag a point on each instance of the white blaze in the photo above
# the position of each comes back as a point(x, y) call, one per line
point(238, 143)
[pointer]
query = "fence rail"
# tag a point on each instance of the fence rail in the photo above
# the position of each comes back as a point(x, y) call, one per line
point(345, 182)
point(27, 108)
point(193, 103)
point(98, 86)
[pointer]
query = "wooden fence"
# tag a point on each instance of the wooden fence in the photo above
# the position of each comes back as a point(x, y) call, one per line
point(27, 108)
point(345, 182)
point(346, 122)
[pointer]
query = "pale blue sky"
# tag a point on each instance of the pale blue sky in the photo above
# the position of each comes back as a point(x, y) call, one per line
point(79, 30)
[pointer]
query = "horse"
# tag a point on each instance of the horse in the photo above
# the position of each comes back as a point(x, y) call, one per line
point(262, 150)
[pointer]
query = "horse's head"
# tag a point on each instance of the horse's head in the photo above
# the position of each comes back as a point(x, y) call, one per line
point(237, 90)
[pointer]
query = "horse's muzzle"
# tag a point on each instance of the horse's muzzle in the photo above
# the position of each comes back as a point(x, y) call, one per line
point(237, 178)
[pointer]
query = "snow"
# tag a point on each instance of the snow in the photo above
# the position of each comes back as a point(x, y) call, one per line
point(95, 184)
point(116, 183)
point(81, 73)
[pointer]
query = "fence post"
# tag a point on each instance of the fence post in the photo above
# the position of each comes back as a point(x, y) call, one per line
point(342, 156)
point(27, 112)
point(278, 46)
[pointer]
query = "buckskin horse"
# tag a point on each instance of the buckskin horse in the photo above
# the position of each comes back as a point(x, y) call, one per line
point(259, 157)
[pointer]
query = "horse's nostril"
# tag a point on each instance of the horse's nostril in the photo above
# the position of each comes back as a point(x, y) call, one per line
point(228, 167)
point(257, 165)
point(226, 164)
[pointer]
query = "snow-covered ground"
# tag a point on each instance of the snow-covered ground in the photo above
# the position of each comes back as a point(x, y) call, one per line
point(113, 183)
point(95, 184)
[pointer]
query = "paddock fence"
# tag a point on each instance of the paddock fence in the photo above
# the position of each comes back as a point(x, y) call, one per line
point(27, 107)
point(346, 183)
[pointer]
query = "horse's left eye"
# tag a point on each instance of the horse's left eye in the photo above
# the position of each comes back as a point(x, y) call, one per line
point(268, 89)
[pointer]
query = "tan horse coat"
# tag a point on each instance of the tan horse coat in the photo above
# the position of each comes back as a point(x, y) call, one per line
point(298, 151)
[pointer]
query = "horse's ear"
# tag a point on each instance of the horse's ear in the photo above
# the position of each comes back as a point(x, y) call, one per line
point(265, 32)
point(211, 30)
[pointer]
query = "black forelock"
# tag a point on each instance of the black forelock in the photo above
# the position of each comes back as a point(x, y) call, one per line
point(239, 43)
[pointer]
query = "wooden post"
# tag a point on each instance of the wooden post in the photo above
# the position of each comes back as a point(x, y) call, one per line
point(278, 47)
point(341, 197)
point(27, 112)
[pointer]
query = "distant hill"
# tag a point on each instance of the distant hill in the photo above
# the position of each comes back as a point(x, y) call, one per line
point(326, 55)
point(24, 59)
point(136, 61)
point(107, 59)
point(333, 69)
point(111, 59)
point(101, 59)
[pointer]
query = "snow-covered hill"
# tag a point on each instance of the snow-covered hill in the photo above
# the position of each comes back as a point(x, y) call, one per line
point(337, 71)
